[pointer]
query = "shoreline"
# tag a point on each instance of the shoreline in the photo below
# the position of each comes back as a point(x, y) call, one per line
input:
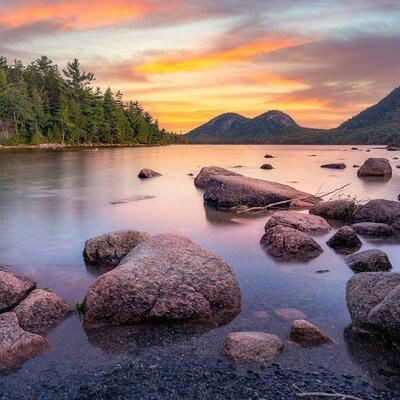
point(58, 146)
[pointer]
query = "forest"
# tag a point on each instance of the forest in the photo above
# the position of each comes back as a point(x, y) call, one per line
point(41, 104)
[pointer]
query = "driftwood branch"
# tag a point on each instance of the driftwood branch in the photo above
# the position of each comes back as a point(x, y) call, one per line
point(284, 202)
point(334, 395)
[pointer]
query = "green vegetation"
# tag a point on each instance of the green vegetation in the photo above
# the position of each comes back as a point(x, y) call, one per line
point(40, 104)
point(79, 308)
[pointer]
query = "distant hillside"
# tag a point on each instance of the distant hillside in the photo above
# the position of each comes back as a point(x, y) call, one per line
point(379, 124)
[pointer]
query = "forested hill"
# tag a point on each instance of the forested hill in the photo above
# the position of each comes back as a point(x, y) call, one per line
point(41, 104)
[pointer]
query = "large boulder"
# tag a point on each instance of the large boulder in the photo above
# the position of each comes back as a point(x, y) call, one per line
point(369, 261)
point(13, 288)
point(375, 167)
point(230, 191)
point(379, 210)
point(287, 243)
point(109, 249)
point(373, 301)
point(167, 277)
point(373, 229)
point(146, 173)
point(306, 334)
point(252, 346)
point(41, 310)
point(16, 344)
point(206, 173)
point(302, 222)
point(341, 209)
point(344, 238)
point(334, 166)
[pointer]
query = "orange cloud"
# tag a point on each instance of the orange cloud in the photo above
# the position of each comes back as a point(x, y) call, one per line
point(76, 14)
point(244, 52)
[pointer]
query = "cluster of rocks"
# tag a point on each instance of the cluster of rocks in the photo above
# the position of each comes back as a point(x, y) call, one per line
point(25, 312)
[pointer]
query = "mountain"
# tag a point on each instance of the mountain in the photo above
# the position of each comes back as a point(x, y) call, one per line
point(379, 124)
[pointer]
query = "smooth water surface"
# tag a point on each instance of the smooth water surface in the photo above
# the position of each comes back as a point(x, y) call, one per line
point(52, 202)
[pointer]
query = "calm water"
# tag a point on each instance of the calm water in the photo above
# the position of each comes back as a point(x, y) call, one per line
point(51, 202)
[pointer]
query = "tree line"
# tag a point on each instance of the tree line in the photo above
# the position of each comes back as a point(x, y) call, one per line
point(41, 104)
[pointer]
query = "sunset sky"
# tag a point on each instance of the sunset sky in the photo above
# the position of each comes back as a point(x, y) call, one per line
point(188, 61)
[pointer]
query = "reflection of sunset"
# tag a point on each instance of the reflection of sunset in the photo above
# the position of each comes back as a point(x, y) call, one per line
point(187, 62)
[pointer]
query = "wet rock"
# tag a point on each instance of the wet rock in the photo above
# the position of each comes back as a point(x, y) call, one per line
point(373, 299)
point(252, 346)
point(378, 210)
point(13, 288)
point(41, 310)
point(302, 222)
point(375, 167)
point(334, 166)
point(306, 334)
point(288, 243)
point(369, 261)
point(335, 209)
point(109, 249)
point(16, 344)
point(301, 205)
point(206, 173)
point(354, 148)
point(167, 277)
point(373, 229)
point(344, 238)
point(289, 314)
point(148, 173)
point(268, 156)
point(230, 191)
point(267, 166)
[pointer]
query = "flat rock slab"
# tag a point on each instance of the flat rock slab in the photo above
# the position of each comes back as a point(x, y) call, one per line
point(13, 288)
point(302, 222)
point(16, 344)
point(335, 209)
point(41, 310)
point(252, 346)
point(373, 300)
point(334, 166)
point(287, 243)
point(231, 191)
point(206, 173)
point(375, 167)
point(306, 334)
point(373, 229)
point(345, 238)
point(379, 210)
point(167, 277)
point(109, 249)
point(369, 261)
point(146, 173)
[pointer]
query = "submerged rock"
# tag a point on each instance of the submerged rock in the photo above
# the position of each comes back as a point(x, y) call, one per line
point(372, 300)
point(334, 166)
point(206, 173)
point(230, 191)
point(379, 210)
point(306, 334)
point(289, 314)
point(13, 288)
point(373, 229)
point(41, 310)
point(148, 173)
point(167, 277)
point(16, 344)
point(302, 222)
point(369, 261)
point(288, 243)
point(109, 249)
point(252, 346)
point(344, 238)
point(375, 167)
point(335, 209)
point(267, 166)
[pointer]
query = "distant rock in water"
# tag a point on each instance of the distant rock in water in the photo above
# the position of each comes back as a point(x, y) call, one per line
point(132, 199)
point(206, 173)
point(334, 166)
point(267, 166)
point(354, 148)
point(373, 260)
point(148, 173)
point(375, 167)
point(268, 156)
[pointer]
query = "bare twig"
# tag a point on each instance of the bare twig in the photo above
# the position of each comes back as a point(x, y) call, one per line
point(333, 395)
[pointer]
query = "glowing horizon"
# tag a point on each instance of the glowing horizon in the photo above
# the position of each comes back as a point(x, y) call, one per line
point(188, 62)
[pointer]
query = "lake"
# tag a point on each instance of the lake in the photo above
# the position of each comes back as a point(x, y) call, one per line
point(51, 202)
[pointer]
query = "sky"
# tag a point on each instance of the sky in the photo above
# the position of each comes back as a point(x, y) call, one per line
point(189, 61)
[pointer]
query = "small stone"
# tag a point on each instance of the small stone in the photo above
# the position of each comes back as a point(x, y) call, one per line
point(146, 173)
point(267, 166)
point(334, 166)
point(306, 334)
